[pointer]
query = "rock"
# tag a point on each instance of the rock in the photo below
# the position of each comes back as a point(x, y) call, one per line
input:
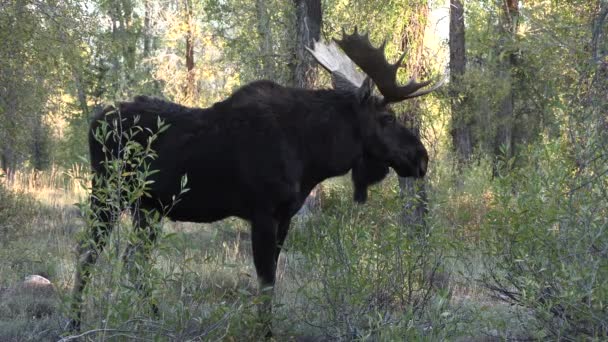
point(35, 296)
point(38, 285)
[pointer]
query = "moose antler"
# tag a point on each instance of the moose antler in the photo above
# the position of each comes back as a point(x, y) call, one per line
point(373, 62)
point(343, 71)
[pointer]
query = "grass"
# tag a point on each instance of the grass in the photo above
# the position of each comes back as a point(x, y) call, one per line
point(204, 281)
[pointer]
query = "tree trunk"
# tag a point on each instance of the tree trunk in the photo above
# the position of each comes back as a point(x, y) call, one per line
point(146, 34)
point(9, 102)
point(412, 39)
point(503, 142)
point(597, 99)
point(40, 145)
point(599, 49)
point(81, 92)
point(150, 45)
point(190, 90)
point(413, 191)
point(9, 157)
point(415, 205)
point(461, 126)
point(309, 18)
point(266, 70)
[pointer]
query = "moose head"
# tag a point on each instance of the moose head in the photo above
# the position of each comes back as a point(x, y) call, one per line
point(386, 141)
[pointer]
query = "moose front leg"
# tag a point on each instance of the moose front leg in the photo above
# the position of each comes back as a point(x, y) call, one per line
point(264, 244)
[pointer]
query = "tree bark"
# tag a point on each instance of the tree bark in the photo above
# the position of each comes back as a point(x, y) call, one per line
point(599, 88)
point(461, 126)
point(80, 92)
point(146, 34)
point(40, 145)
point(598, 31)
point(9, 157)
point(412, 38)
point(266, 70)
point(413, 191)
point(190, 91)
point(12, 78)
point(503, 142)
point(309, 18)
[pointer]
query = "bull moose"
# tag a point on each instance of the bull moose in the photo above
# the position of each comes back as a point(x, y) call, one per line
point(259, 153)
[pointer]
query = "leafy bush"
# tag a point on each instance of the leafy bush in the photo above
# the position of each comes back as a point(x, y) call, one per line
point(17, 211)
point(547, 244)
point(125, 181)
point(194, 300)
point(358, 273)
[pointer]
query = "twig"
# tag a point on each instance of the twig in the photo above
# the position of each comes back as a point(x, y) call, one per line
point(117, 332)
point(211, 328)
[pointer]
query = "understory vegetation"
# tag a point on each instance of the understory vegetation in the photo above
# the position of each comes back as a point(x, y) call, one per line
point(505, 238)
point(348, 272)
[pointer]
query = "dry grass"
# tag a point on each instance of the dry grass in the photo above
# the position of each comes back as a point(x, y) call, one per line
point(53, 188)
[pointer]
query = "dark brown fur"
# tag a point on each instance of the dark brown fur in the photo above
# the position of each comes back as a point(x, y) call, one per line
point(257, 155)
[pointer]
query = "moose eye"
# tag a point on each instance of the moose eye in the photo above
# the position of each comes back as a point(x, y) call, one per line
point(387, 119)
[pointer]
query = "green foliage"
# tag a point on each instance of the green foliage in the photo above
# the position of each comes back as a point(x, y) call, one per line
point(527, 225)
point(460, 200)
point(546, 245)
point(235, 21)
point(38, 48)
point(360, 274)
point(17, 212)
point(193, 301)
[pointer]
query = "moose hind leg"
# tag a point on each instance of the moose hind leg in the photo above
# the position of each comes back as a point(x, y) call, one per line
point(137, 254)
point(88, 252)
point(283, 229)
point(264, 242)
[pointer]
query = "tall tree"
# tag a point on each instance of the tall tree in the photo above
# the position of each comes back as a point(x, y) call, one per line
point(190, 91)
point(411, 41)
point(309, 19)
point(117, 50)
point(35, 54)
point(12, 77)
point(414, 191)
point(265, 40)
point(147, 28)
point(509, 22)
point(461, 126)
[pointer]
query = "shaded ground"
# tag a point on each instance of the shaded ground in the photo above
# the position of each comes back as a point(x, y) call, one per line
point(203, 281)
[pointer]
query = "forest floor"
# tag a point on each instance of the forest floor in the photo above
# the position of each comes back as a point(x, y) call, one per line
point(206, 274)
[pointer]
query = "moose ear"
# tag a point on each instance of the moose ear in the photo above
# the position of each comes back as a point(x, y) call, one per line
point(364, 92)
point(340, 82)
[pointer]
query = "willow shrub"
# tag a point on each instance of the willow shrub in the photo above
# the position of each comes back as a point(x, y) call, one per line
point(358, 273)
point(546, 243)
point(112, 299)
point(184, 275)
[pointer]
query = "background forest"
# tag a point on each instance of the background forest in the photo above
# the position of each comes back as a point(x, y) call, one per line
point(505, 239)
